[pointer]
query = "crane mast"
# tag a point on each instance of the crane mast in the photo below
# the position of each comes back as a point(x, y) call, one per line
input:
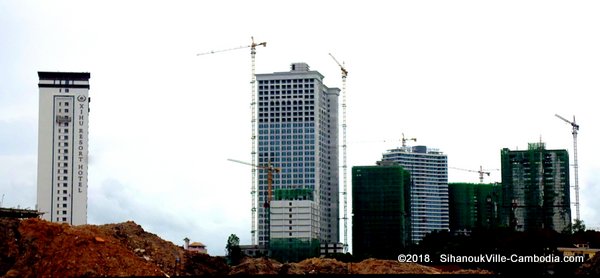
point(575, 129)
point(267, 204)
point(344, 153)
point(252, 47)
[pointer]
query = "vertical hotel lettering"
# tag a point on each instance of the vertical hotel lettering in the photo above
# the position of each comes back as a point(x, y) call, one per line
point(80, 164)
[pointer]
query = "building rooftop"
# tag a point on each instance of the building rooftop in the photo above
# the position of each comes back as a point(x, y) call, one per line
point(197, 244)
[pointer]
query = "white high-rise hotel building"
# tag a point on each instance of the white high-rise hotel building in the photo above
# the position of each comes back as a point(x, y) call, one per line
point(63, 147)
point(298, 133)
point(428, 170)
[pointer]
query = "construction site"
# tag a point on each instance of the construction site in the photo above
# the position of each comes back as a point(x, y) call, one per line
point(299, 199)
point(38, 248)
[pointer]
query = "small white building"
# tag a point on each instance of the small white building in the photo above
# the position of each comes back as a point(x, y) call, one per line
point(197, 247)
point(294, 219)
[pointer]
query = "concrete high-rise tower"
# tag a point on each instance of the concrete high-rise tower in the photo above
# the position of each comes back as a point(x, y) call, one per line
point(298, 133)
point(63, 146)
point(428, 170)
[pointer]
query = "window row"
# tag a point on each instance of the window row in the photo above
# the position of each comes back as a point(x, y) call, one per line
point(286, 131)
point(286, 114)
point(284, 108)
point(277, 120)
point(287, 81)
point(264, 126)
point(262, 150)
point(285, 103)
point(292, 142)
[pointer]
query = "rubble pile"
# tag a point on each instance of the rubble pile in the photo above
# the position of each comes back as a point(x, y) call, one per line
point(590, 267)
point(37, 248)
point(58, 250)
point(198, 264)
point(163, 254)
point(255, 266)
point(374, 266)
point(251, 266)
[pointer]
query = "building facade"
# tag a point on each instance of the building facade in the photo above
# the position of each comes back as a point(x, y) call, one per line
point(536, 188)
point(63, 146)
point(474, 206)
point(380, 211)
point(295, 225)
point(428, 169)
point(298, 133)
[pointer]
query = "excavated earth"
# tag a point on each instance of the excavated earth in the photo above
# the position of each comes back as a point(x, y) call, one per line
point(37, 248)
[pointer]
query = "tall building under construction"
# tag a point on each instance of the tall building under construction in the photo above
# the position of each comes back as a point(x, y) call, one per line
point(535, 188)
point(298, 133)
point(474, 206)
point(428, 169)
point(380, 210)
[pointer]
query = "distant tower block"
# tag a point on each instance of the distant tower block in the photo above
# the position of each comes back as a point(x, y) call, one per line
point(63, 146)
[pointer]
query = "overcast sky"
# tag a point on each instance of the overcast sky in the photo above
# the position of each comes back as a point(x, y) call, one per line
point(466, 77)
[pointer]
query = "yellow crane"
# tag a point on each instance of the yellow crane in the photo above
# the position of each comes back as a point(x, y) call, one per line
point(344, 151)
point(404, 139)
point(252, 47)
point(481, 171)
point(267, 204)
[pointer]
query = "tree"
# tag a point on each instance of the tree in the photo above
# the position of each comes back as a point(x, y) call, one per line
point(234, 252)
point(578, 226)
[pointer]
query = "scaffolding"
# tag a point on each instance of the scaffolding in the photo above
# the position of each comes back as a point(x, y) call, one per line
point(294, 249)
point(536, 188)
point(381, 211)
point(280, 194)
point(474, 206)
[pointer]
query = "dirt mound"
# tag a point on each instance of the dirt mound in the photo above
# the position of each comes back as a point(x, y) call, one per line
point(590, 267)
point(251, 266)
point(374, 266)
point(254, 266)
point(471, 271)
point(197, 264)
point(37, 248)
point(164, 254)
point(322, 266)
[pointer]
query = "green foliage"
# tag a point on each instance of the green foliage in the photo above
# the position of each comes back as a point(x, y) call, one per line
point(578, 226)
point(234, 252)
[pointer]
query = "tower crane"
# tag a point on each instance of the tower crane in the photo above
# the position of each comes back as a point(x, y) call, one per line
point(267, 204)
point(575, 129)
point(344, 152)
point(404, 139)
point(252, 47)
point(481, 172)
